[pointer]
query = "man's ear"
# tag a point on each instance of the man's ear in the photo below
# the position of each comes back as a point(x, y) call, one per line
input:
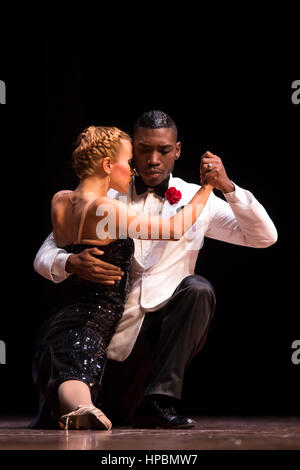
point(178, 150)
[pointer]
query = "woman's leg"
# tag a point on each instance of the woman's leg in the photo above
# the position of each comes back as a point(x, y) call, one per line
point(77, 408)
point(73, 393)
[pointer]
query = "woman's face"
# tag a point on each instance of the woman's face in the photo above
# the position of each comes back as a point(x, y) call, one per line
point(122, 171)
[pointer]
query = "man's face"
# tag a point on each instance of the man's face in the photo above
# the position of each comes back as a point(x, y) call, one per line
point(155, 151)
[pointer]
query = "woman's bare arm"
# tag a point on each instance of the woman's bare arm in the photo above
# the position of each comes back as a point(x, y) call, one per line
point(111, 219)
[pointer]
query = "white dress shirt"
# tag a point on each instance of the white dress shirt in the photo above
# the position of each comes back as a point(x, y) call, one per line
point(159, 266)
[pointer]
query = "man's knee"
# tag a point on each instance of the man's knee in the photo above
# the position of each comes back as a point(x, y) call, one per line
point(198, 286)
point(198, 297)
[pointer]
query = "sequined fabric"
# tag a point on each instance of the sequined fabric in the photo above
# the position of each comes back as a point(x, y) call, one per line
point(72, 341)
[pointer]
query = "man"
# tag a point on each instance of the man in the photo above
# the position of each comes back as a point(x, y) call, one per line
point(169, 308)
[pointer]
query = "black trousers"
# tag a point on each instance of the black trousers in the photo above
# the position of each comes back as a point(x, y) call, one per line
point(168, 340)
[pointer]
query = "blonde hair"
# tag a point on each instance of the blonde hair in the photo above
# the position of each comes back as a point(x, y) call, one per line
point(93, 144)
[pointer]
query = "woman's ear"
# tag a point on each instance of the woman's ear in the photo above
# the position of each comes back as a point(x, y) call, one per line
point(107, 163)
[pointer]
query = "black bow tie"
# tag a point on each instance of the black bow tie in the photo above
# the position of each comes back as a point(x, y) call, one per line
point(160, 189)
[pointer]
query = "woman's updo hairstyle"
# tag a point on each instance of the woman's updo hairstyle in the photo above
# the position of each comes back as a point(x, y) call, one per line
point(93, 144)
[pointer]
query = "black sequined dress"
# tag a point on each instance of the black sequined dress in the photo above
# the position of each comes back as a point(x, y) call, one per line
point(73, 339)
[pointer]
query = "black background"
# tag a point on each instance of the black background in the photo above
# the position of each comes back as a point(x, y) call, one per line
point(68, 75)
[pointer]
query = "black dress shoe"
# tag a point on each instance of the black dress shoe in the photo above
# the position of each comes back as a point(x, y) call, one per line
point(152, 414)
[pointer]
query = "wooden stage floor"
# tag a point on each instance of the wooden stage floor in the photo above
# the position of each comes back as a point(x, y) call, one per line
point(210, 433)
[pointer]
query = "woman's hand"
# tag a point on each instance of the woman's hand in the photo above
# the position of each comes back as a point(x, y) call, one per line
point(90, 268)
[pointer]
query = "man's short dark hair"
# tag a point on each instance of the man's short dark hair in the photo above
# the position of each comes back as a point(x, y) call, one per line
point(155, 120)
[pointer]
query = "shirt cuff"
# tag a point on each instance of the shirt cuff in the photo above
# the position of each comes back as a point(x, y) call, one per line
point(239, 195)
point(58, 270)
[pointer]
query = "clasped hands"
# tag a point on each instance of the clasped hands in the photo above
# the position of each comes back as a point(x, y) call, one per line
point(212, 172)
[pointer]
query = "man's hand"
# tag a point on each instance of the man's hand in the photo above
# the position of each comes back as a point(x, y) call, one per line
point(213, 172)
point(86, 266)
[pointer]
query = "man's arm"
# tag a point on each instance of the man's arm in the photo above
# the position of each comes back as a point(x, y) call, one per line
point(56, 264)
point(241, 220)
point(50, 261)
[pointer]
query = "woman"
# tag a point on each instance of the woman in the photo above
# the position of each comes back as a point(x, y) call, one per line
point(71, 346)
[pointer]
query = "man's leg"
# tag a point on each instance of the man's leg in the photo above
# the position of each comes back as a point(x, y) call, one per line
point(185, 321)
point(168, 340)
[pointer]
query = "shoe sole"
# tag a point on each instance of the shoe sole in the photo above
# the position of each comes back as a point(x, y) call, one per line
point(157, 424)
point(86, 421)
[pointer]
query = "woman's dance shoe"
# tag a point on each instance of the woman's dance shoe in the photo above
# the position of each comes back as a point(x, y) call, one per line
point(85, 417)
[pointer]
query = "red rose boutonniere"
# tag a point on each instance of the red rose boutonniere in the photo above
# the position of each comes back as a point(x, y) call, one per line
point(173, 195)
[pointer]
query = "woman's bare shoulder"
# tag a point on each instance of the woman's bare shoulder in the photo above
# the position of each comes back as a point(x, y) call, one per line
point(60, 205)
point(102, 207)
point(61, 196)
point(104, 204)
point(104, 201)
